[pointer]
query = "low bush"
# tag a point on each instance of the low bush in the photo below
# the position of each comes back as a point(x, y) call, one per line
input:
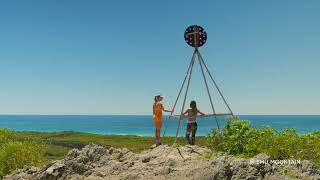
point(238, 137)
point(15, 154)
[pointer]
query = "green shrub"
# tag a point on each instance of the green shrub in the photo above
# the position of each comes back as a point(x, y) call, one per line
point(5, 136)
point(16, 154)
point(239, 138)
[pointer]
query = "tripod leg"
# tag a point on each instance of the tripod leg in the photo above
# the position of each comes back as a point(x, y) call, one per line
point(205, 81)
point(215, 84)
point(185, 96)
point(175, 103)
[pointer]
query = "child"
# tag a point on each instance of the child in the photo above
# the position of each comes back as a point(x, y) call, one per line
point(157, 116)
point(192, 125)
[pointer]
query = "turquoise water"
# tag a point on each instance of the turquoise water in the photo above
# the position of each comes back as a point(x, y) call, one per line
point(143, 125)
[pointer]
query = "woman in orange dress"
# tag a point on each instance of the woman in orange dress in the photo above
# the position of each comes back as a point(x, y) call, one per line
point(157, 116)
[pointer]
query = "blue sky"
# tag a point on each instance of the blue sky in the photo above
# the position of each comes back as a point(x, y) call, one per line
point(112, 57)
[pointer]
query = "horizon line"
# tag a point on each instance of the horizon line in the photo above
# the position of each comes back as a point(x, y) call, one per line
point(35, 114)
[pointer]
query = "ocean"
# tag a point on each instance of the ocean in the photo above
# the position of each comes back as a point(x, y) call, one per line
point(142, 125)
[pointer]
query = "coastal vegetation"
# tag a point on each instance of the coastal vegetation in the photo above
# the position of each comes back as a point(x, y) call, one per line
point(239, 138)
point(71, 139)
point(16, 153)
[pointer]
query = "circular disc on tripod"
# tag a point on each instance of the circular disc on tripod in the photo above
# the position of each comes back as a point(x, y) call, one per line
point(195, 36)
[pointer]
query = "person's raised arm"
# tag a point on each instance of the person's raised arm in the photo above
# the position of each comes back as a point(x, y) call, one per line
point(201, 113)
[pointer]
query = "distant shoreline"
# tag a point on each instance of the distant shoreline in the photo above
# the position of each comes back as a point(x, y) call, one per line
point(142, 125)
point(148, 115)
point(88, 133)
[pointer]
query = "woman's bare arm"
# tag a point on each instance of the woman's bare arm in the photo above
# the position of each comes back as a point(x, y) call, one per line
point(201, 113)
point(165, 110)
point(186, 112)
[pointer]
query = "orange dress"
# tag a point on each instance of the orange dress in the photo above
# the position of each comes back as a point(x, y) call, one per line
point(157, 117)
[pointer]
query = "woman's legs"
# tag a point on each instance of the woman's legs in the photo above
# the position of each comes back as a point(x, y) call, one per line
point(194, 131)
point(158, 124)
point(157, 135)
point(188, 133)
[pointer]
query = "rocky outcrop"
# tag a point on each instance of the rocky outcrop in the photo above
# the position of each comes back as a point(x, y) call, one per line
point(163, 162)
